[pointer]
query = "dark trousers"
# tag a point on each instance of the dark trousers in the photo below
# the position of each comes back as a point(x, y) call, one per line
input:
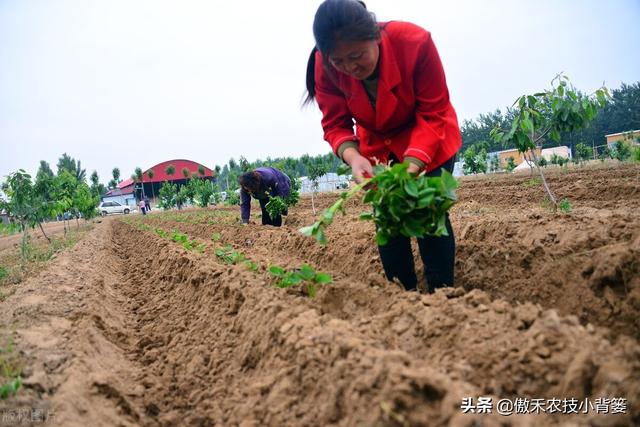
point(437, 254)
point(266, 219)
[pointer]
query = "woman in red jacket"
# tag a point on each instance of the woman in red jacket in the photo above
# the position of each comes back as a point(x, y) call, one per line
point(388, 79)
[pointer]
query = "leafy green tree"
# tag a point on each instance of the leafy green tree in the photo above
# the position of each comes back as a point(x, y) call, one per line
point(203, 190)
point(97, 189)
point(233, 198)
point(316, 170)
point(113, 183)
point(245, 166)
point(84, 202)
point(201, 170)
point(475, 159)
point(138, 176)
point(542, 162)
point(621, 151)
point(184, 194)
point(494, 163)
point(185, 173)
point(168, 195)
point(150, 174)
point(45, 169)
point(511, 164)
point(23, 204)
point(67, 163)
point(66, 185)
point(583, 152)
point(170, 170)
point(548, 113)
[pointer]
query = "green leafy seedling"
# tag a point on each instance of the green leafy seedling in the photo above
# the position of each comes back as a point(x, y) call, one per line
point(564, 206)
point(403, 204)
point(10, 388)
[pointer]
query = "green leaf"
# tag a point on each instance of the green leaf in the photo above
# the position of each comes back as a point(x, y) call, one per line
point(276, 271)
point(308, 230)
point(307, 272)
point(381, 238)
point(366, 216)
point(411, 188)
point(323, 278)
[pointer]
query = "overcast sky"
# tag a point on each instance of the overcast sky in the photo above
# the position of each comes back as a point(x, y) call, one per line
point(133, 83)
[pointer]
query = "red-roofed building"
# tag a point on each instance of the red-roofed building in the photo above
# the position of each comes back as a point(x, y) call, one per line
point(127, 194)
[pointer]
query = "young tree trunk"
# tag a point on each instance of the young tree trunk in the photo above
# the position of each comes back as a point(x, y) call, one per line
point(43, 233)
point(23, 245)
point(544, 181)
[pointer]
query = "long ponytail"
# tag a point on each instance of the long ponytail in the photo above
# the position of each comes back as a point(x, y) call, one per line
point(311, 77)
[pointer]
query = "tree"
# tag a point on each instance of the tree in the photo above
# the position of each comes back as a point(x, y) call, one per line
point(150, 174)
point(84, 202)
point(548, 113)
point(138, 176)
point(202, 190)
point(168, 192)
point(621, 151)
point(97, 189)
point(116, 179)
point(67, 163)
point(66, 185)
point(315, 169)
point(245, 166)
point(183, 195)
point(542, 162)
point(494, 163)
point(24, 205)
point(583, 152)
point(185, 173)
point(201, 170)
point(511, 164)
point(475, 159)
point(45, 169)
point(170, 170)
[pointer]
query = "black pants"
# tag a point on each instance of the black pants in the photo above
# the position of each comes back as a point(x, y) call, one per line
point(437, 254)
point(266, 219)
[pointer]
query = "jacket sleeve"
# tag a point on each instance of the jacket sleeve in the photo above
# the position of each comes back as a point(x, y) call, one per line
point(337, 121)
point(284, 185)
point(432, 104)
point(245, 206)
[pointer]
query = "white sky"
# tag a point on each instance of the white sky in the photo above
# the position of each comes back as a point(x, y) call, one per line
point(133, 83)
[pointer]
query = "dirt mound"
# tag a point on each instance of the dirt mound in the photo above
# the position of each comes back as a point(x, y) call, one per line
point(130, 328)
point(221, 340)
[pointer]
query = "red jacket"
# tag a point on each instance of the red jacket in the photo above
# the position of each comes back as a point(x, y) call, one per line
point(413, 115)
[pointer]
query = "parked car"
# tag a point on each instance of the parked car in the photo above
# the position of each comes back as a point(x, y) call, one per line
point(106, 208)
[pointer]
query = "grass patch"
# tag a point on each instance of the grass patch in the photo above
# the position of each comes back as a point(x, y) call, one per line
point(10, 369)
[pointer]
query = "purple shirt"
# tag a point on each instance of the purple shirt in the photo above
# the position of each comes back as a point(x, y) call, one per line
point(273, 183)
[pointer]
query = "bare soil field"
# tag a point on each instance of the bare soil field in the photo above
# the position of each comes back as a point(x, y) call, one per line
point(130, 328)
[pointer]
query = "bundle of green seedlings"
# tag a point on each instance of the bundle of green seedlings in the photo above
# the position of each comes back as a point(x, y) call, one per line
point(303, 275)
point(403, 204)
point(277, 205)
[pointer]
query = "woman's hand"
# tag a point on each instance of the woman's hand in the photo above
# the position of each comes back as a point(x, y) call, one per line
point(413, 168)
point(360, 165)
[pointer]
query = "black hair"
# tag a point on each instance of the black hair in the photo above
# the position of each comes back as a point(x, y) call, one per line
point(335, 21)
point(250, 180)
